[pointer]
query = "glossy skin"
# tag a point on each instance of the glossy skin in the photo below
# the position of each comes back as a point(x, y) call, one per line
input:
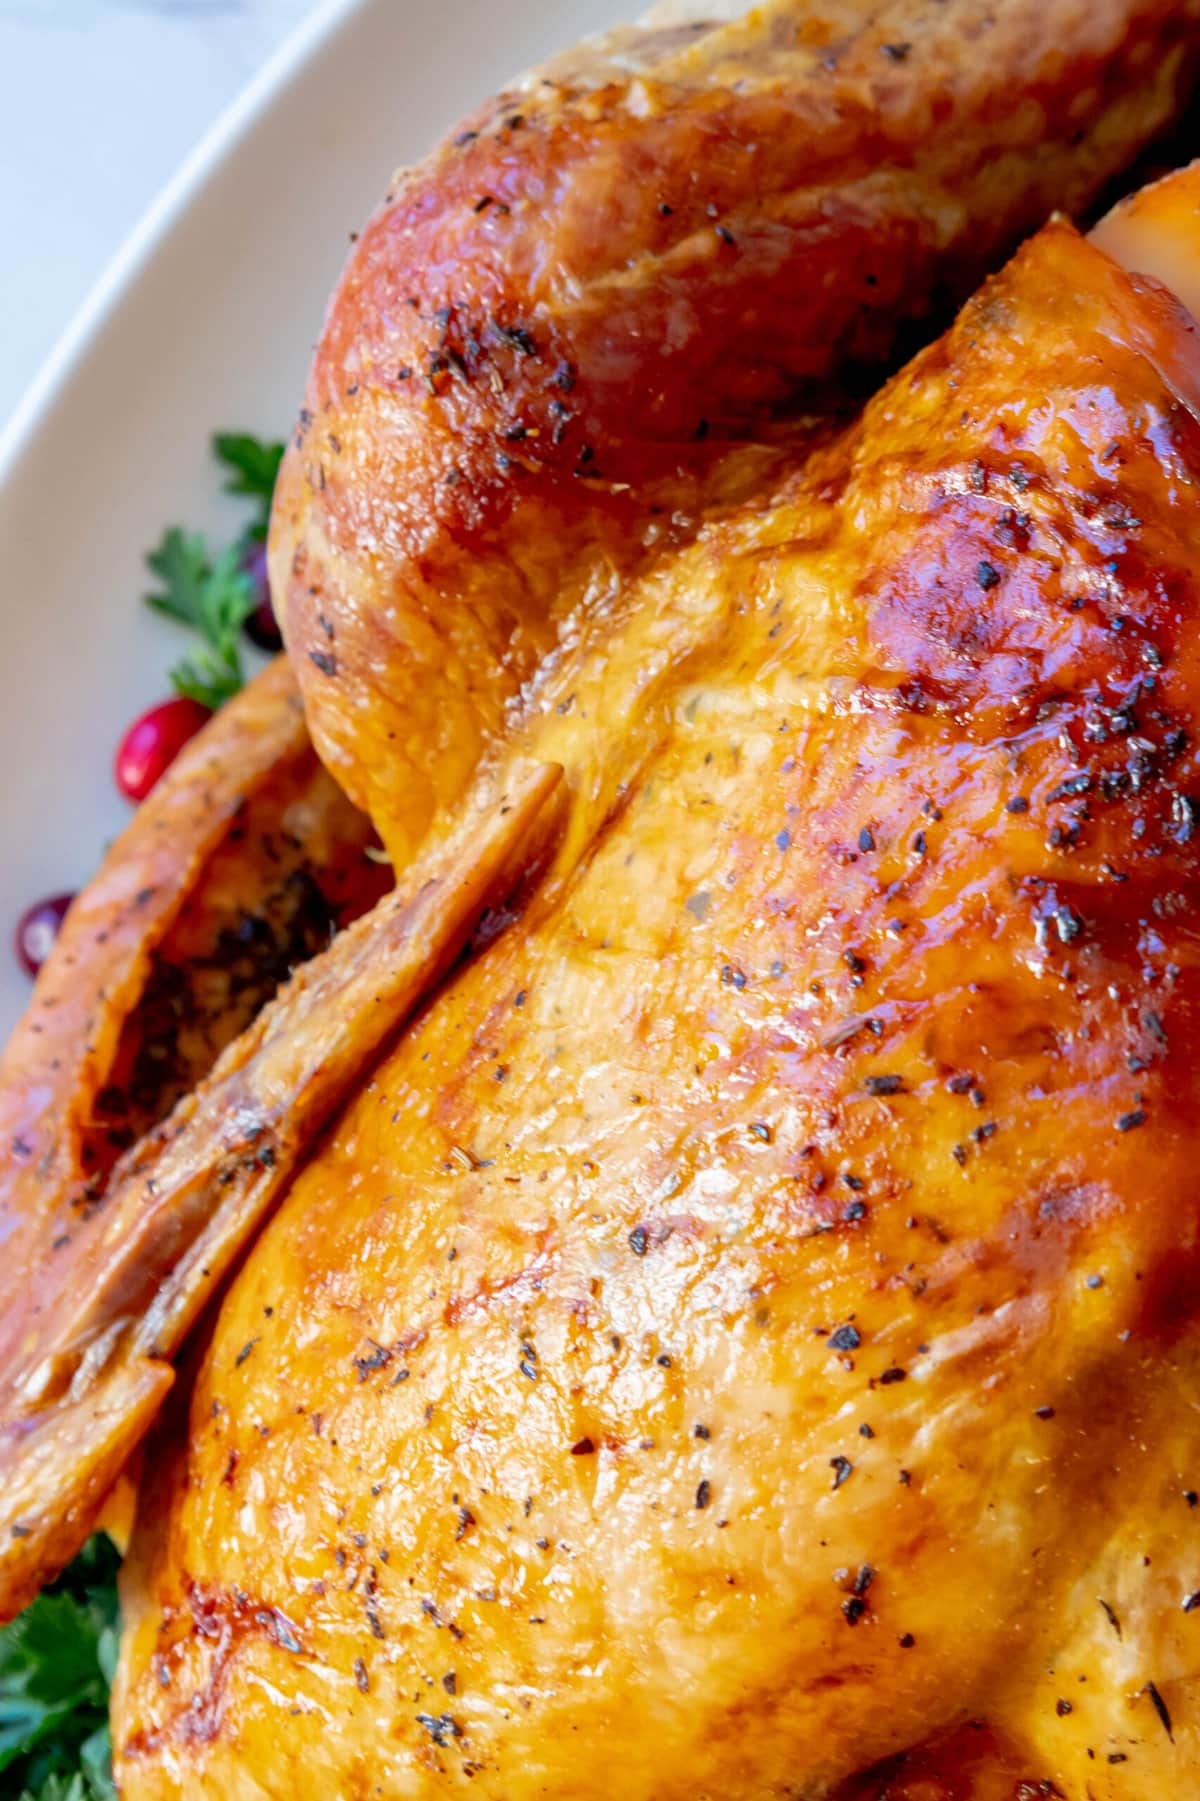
point(836, 1077)
point(244, 861)
point(880, 138)
point(436, 641)
point(1155, 231)
point(551, 333)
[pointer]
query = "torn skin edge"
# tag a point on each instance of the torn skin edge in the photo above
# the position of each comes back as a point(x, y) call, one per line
point(187, 1202)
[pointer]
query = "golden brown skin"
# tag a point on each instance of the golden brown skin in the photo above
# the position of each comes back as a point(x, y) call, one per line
point(880, 140)
point(87, 1356)
point(1155, 231)
point(242, 863)
point(245, 861)
point(550, 334)
point(745, 1329)
point(834, 184)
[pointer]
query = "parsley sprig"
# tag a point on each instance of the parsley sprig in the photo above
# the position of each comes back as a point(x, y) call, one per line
point(56, 1664)
point(212, 594)
point(253, 467)
point(214, 599)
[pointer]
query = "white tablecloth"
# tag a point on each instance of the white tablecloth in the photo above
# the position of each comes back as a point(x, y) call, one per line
point(102, 100)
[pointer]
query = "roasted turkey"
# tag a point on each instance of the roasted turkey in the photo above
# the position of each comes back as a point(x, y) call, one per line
point(727, 1324)
point(590, 316)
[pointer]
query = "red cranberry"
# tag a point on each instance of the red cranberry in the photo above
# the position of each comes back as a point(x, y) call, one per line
point(153, 742)
point(262, 627)
point(37, 929)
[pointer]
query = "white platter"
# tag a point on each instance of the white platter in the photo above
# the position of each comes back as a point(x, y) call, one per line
point(203, 322)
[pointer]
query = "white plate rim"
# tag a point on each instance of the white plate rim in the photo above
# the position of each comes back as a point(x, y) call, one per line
point(204, 320)
point(171, 204)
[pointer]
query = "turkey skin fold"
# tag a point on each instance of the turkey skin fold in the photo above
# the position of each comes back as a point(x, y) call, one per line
point(693, 1292)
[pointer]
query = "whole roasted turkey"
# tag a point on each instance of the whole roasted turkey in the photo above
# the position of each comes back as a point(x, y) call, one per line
point(728, 1324)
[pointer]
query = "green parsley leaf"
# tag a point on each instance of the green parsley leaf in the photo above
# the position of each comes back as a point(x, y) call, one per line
point(91, 1782)
point(253, 467)
point(180, 561)
point(95, 1760)
point(55, 1667)
point(214, 598)
point(60, 1788)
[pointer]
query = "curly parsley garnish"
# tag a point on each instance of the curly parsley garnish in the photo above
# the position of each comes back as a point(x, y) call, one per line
point(212, 594)
point(56, 1663)
point(253, 467)
point(214, 599)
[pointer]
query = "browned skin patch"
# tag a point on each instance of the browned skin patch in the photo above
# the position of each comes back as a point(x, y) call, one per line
point(243, 861)
point(240, 865)
point(480, 475)
point(556, 340)
point(847, 1085)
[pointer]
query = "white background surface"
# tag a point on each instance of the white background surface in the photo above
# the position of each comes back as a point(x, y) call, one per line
point(101, 100)
point(209, 323)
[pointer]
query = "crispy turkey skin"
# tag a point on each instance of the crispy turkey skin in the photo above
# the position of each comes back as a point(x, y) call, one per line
point(554, 329)
point(728, 1326)
point(743, 1330)
point(586, 325)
